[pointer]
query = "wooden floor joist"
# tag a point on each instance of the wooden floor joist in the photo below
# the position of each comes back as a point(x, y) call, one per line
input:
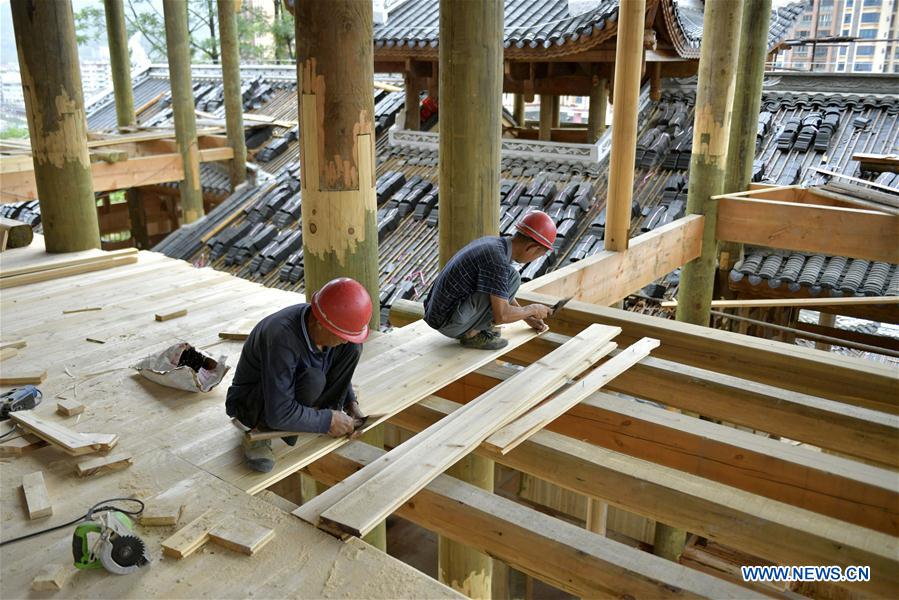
point(569, 557)
point(766, 528)
point(362, 501)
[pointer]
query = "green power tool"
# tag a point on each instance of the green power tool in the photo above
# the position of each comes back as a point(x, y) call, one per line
point(106, 540)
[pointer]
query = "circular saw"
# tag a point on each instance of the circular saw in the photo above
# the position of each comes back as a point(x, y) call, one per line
point(108, 541)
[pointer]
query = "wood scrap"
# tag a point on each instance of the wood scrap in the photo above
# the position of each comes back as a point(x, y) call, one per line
point(171, 315)
point(69, 408)
point(18, 344)
point(7, 353)
point(358, 503)
point(112, 462)
point(512, 435)
point(194, 535)
point(71, 442)
point(18, 234)
point(33, 377)
point(80, 310)
point(161, 513)
point(241, 535)
point(18, 446)
point(50, 578)
point(95, 340)
point(37, 499)
point(239, 332)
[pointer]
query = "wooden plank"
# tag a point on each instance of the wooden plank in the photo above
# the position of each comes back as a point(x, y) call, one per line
point(766, 528)
point(71, 442)
point(18, 344)
point(386, 487)
point(800, 302)
point(61, 262)
point(194, 535)
point(18, 446)
point(69, 408)
point(80, 310)
point(112, 462)
point(239, 331)
point(51, 578)
point(607, 277)
point(571, 558)
point(7, 353)
point(37, 498)
point(161, 513)
point(858, 180)
point(823, 374)
point(10, 282)
point(829, 230)
point(32, 377)
point(171, 315)
point(877, 162)
point(516, 432)
point(241, 535)
point(857, 337)
point(828, 195)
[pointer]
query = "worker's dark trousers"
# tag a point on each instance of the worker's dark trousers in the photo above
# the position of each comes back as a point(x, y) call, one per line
point(311, 388)
point(476, 311)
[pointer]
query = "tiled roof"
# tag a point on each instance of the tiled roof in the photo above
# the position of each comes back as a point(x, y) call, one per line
point(683, 21)
point(528, 24)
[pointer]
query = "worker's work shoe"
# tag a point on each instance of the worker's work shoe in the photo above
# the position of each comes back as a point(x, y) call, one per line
point(259, 455)
point(485, 340)
point(290, 440)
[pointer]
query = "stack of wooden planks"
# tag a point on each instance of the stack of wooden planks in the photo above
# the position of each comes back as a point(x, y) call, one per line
point(357, 504)
point(64, 267)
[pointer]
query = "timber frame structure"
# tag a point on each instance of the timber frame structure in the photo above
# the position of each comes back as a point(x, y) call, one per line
point(774, 453)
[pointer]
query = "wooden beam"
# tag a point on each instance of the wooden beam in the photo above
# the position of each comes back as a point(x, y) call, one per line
point(877, 162)
point(846, 379)
point(766, 528)
point(577, 561)
point(134, 172)
point(798, 302)
point(607, 276)
point(368, 497)
point(809, 228)
point(858, 337)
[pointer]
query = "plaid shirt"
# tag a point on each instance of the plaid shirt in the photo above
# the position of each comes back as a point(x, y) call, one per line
point(481, 266)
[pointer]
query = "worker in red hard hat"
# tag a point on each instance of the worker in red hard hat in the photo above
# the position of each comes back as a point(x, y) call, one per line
point(295, 369)
point(476, 289)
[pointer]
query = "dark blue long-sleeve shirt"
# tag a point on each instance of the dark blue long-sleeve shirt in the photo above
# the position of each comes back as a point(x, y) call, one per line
point(275, 357)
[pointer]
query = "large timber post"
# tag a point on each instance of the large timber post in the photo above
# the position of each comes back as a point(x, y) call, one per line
point(518, 109)
point(119, 62)
point(54, 103)
point(178, 50)
point(750, 73)
point(231, 83)
point(413, 103)
point(546, 117)
point(596, 111)
point(471, 73)
point(628, 63)
point(711, 131)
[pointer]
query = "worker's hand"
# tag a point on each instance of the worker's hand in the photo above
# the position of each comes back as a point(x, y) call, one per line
point(354, 411)
point(536, 323)
point(341, 424)
point(540, 311)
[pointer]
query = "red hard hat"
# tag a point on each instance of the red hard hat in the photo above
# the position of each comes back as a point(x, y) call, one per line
point(343, 307)
point(539, 227)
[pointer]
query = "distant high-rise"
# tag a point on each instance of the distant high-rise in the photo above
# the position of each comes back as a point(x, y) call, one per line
point(862, 19)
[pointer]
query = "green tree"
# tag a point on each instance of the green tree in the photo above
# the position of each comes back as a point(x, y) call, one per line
point(283, 32)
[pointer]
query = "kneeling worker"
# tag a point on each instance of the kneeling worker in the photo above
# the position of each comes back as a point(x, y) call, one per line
point(476, 289)
point(295, 369)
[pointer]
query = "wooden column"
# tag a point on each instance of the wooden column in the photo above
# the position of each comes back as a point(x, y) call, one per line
point(557, 116)
point(518, 110)
point(138, 218)
point(120, 62)
point(413, 104)
point(470, 122)
point(471, 75)
point(177, 46)
point(231, 82)
point(596, 116)
point(714, 101)
point(546, 117)
point(655, 81)
point(750, 72)
point(54, 103)
point(628, 61)
point(335, 71)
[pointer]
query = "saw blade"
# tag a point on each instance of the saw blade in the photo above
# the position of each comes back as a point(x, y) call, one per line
point(124, 554)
